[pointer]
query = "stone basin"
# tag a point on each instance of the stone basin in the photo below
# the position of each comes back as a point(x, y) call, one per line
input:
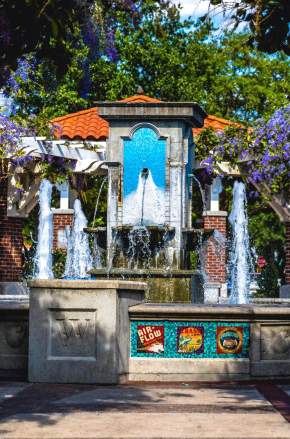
point(162, 285)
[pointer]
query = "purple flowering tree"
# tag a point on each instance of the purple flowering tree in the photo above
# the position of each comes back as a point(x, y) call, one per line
point(261, 153)
point(11, 150)
point(13, 154)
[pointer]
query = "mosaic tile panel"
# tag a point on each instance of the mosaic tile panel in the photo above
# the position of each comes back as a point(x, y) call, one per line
point(174, 339)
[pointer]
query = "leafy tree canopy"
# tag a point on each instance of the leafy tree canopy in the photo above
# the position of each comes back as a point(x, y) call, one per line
point(172, 60)
point(268, 21)
point(46, 26)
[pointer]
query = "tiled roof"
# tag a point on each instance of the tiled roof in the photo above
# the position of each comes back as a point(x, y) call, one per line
point(140, 99)
point(88, 125)
point(217, 123)
point(85, 125)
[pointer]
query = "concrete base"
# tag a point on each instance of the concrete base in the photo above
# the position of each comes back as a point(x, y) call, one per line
point(188, 369)
point(285, 291)
point(12, 288)
point(78, 330)
point(13, 337)
point(209, 293)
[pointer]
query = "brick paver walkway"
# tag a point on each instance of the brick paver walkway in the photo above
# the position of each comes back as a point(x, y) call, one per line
point(148, 411)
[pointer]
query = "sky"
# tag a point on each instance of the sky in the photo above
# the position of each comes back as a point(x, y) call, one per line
point(195, 8)
point(198, 8)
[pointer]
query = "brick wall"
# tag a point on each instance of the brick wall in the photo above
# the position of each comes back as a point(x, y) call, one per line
point(287, 262)
point(60, 221)
point(215, 264)
point(11, 241)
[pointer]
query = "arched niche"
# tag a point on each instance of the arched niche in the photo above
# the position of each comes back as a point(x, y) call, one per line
point(144, 149)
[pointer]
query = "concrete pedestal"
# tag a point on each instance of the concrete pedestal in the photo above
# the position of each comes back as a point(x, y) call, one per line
point(13, 336)
point(285, 291)
point(78, 330)
point(12, 288)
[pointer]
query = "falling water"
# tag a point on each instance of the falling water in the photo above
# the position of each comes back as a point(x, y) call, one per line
point(168, 251)
point(146, 205)
point(219, 242)
point(43, 255)
point(139, 247)
point(144, 176)
point(79, 260)
point(202, 254)
point(111, 252)
point(97, 254)
point(240, 256)
point(98, 199)
point(201, 191)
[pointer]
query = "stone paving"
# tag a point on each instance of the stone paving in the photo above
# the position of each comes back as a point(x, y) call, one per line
point(149, 411)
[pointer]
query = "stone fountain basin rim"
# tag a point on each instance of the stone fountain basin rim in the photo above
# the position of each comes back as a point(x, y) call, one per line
point(14, 302)
point(178, 311)
point(144, 273)
point(79, 284)
point(100, 229)
point(150, 228)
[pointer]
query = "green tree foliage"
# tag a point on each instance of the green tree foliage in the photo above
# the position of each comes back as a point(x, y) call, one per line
point(268, 21)
point(174, 63)
point(172, 60)
point(45, 27)
point(268, 237)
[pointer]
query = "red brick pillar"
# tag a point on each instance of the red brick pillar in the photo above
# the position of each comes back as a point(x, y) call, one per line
point(285, 289)
point(61, 219)
point(287, 255)
point(11, 241)
point(215, 258)
point(216, 263)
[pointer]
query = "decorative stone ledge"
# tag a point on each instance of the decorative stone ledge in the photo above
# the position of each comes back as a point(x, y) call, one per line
point(244, 313)
point(78, 284)
point(62, 211)
point(215, 213)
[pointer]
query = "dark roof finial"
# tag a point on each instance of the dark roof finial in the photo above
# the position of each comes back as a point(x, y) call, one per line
point(140, 90)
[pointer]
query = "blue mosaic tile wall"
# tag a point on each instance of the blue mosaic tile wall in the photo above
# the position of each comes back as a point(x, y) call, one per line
point(179, 339)
point(144, 150)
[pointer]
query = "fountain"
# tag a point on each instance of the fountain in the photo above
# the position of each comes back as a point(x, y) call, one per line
point(103, 331)
point(43, 256)
point(79, 260)
point(240, 255)
point(149, 226)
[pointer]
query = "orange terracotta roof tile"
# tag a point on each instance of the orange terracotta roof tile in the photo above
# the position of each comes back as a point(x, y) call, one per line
point(140, 99)
point(86, 124)
point(217, 123)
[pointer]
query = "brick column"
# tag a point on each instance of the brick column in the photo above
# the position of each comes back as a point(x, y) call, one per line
point(215, 259)
point(61, 219)
point(287, 254)
point(11, 241)
point(285, 289)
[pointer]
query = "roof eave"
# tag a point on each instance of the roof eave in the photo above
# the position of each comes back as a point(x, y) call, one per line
point(189, 111)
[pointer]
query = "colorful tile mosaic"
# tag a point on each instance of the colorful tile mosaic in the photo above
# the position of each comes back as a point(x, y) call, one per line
point(174, 339)
point(150, 339)
point(229, 339)
point(190, 339)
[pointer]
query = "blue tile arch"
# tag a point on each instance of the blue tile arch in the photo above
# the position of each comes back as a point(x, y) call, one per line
point(144, 150)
